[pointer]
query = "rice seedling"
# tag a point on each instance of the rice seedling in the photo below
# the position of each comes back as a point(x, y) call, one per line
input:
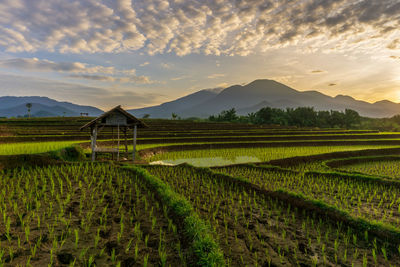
point(77, 229)
point(250, 234)
point(363, 199)
point(387, 168)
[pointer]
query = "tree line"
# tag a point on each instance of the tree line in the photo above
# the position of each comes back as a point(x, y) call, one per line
point(301, 117)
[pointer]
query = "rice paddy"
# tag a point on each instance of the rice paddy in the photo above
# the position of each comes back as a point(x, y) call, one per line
point(387, 168)
point(296, 197)
point(33, 147)
point(217, 157)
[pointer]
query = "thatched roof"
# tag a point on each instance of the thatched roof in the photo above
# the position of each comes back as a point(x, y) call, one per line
point(132, 120)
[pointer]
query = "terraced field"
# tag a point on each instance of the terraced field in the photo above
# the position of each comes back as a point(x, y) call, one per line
point(258, 228)
point(388, 168)
point(308, 197)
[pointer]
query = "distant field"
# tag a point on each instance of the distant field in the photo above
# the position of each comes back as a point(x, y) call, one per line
point(262, 154)
point(32, 148)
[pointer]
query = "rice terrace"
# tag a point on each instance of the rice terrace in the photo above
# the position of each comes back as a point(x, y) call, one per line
point(192, 133)
point(197, 194)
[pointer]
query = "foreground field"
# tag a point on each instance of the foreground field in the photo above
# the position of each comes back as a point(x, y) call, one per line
point(84, 215)
point(258, 230)
point(364, 199)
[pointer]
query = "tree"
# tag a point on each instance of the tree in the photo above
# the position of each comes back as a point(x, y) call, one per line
point(303, 117)
point(323, 118)
point(146, 116)
point(29, 106)
point(351, 117)
point(174, 116)
point(396, 119)
point(228, 115)
point(337, 119)
point(269, 115)
point(252, 117)
point(225, 115)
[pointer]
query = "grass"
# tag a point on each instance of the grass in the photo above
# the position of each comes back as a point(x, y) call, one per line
point(33, 147)
point(203, 246)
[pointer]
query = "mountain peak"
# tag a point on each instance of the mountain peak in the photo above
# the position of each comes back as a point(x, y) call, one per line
point(12, 106)
point(265, 92)
point(344, 97)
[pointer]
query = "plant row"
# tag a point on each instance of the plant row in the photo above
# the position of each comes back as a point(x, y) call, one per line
point(265, 229)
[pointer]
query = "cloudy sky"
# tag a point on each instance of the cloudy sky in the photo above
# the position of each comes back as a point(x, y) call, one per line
point(143, 52)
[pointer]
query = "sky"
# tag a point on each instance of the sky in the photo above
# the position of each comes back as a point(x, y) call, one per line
point(144, 52)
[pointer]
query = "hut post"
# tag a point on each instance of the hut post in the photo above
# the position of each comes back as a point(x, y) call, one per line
point(94, 138)
point(134, 141)
point(118, 143)
point(126, 143)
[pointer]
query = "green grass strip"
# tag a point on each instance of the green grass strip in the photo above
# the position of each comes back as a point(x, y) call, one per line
point(203, 246)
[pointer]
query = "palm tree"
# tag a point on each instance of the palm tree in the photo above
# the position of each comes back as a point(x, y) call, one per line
point(29, 105)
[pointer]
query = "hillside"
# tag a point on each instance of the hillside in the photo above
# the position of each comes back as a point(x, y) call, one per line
point(12, 106)
point(260, 93)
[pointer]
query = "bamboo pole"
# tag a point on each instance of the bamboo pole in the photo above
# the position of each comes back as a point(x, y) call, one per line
point(118, 143)
point(94, 138)
point(126, 143)
point(134, 142)
point(112, 132)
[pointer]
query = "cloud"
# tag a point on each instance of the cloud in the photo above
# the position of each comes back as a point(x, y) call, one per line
point(166, 65)
point(34, 64)
point(395, 44)
point(178, 78)
point(79, 70)
point(93, 77)
point(222, 85)
point(332, 84)
point(144, 64)
point(221, 27)
point(317, 71)
point(216, 75)
point(102, 78)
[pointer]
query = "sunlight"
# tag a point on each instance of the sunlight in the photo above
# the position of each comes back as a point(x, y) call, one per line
point(397, 96)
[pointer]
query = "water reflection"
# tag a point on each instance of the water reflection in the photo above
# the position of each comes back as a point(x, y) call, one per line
point(208, 162)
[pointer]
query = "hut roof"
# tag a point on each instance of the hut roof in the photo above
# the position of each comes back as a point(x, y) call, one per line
point(131, 119)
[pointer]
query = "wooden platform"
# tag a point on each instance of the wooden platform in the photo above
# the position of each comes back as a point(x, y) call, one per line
point(106, 150)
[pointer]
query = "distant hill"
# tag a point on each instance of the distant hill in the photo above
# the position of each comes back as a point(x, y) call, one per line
point(178, 106)
point(260, 93)
point(13, 106)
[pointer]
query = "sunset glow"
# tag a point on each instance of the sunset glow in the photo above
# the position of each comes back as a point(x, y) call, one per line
point(141, 53)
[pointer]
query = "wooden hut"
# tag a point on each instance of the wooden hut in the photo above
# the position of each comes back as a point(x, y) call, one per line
point(119, 120)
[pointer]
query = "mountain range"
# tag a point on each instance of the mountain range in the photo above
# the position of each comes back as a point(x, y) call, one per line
point(261, 93)
point(244, 98)
point(13, 106)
